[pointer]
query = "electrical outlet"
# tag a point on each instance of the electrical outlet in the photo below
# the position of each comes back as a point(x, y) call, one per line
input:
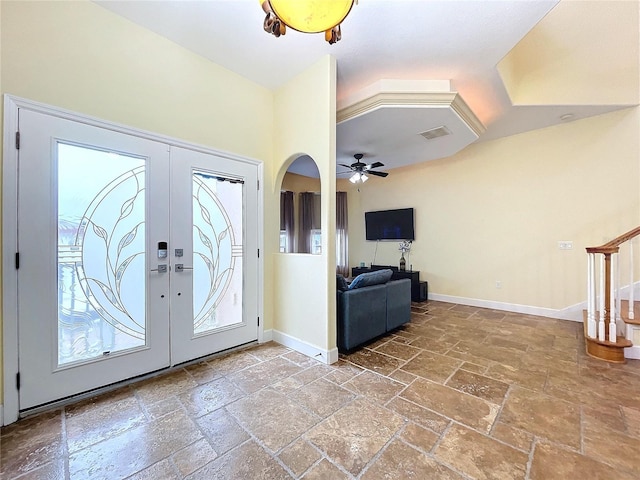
point(498, 283)
point(565, 245)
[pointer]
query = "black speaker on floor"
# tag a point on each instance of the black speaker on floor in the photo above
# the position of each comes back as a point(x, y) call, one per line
point(424, 291)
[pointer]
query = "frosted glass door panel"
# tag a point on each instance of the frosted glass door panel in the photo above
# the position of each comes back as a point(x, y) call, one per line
point(217, 252)
point(101, 253)
point(214, 253)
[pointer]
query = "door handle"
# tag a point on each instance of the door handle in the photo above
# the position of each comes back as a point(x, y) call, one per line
point(181, 268)
point(162, 268)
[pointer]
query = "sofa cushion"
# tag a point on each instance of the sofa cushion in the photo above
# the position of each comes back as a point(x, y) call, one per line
point(371, 278)
point(341, 283)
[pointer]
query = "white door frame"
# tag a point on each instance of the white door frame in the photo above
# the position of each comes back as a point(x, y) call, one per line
point(10, 408)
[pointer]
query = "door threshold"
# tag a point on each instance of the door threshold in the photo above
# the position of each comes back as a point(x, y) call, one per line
point(96, 392)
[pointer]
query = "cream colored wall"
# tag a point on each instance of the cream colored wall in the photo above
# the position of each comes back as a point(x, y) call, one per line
point(81, 57)
point(496, 211)
point(304, 292)
point(299, 183)
point(1, 149)
point(581, 53)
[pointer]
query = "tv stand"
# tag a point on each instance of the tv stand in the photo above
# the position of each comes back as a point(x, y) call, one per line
point(419, 290)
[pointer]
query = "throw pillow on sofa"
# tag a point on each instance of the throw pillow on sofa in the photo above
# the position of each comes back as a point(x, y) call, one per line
point(341, 283)
point(371, 278)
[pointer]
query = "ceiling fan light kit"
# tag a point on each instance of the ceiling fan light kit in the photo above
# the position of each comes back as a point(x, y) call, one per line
point(361, 169)
point(358, 177)
point(306, 16)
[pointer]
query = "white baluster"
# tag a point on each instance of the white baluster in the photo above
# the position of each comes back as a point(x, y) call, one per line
point(591, 296)
point(612, 297)
point(631, 286)
point(601, 335)
point(618, 293)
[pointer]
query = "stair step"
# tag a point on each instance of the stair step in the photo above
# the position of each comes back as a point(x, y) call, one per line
point(624, 312)
point(603, 349)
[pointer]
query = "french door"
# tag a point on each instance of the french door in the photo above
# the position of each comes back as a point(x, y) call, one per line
point(134, 255)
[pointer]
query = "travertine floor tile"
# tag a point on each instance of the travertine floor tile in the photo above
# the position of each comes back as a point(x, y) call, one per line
point(399, 460)
point(531, 377)
point(435, 345)
point(543, 416)
point(419, 437)
point(553, 463)
point(611, 447)
point(203, 372)
point(632, 420)
point(466, 409)
point(342, 371)
point(126, 454)
point(375, 387)
point(31, 443)
point(258, 376)
point(206, 398)
point(273, 418)
point(479, 456)
point(517, 387)
point(233, 362)
point(513, 436)
point(479, 386)
point(377, 362)
point(248, 460)
point(101, 423)
point(398, 350)
point(354, 434)
point(222, 430)
point(418, 414)
point(164, 470)
point(322, 397)
point(325, 470)
point(159, 388)
point(432, 366)
point(193, 456)
point(299, 456)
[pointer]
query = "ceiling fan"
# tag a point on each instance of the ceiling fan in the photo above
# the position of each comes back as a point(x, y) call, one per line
point(361, 170)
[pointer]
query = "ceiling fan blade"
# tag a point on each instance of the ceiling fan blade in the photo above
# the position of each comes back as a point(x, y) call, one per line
point(350, 172)
point(379, 174)
point(345, 166)
point(376, 165)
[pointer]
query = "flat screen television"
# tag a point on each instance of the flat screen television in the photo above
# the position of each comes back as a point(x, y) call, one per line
point(389, 224)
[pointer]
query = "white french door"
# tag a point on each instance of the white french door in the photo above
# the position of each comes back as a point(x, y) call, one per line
point(213, 255)
point(134, 256)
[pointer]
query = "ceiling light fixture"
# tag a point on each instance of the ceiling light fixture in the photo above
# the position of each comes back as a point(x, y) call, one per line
point(358, 177)
point(307, 16)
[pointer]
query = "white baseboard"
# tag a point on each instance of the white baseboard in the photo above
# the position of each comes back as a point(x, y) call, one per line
point(632, 352)
point(322, 355)
point(267, 336)
point(573, 313)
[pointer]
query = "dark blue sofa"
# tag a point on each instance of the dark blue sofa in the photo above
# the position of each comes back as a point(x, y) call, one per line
point(370, 306)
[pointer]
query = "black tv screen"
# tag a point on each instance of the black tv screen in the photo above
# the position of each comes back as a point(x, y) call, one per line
point(389, 224)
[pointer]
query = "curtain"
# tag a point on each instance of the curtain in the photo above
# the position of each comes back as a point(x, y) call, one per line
point(342, 244)
point(286, 219)
point(305, 221)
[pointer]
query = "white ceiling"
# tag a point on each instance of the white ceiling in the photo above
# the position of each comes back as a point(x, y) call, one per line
point(456, 40)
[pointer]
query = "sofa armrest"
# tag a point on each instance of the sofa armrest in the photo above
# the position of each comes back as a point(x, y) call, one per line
point(361, 316)
point(398, 303)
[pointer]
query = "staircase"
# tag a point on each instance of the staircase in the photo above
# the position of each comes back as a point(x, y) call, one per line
point(611, 323)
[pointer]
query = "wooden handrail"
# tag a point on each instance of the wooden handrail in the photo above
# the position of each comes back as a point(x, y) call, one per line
point(613, 245)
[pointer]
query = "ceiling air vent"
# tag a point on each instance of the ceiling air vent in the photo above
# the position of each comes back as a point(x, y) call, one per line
point(436, 132)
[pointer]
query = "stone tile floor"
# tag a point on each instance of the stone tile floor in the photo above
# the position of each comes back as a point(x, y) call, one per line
point(459, 393)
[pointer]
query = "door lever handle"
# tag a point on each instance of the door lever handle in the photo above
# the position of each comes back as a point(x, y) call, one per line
point(162, 268)
point(181, 268)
